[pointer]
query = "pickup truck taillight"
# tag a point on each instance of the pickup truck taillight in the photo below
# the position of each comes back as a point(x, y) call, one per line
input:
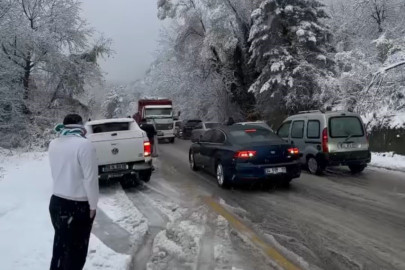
point(147, 149)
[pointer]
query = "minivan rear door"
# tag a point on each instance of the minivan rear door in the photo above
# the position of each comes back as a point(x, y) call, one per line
point(346, 133)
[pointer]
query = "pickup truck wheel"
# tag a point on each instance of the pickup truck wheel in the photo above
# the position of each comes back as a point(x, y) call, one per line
point(145, 176)
point(172, 140)
point(127, 182)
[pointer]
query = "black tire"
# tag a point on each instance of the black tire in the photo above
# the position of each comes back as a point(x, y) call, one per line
point(145, 175)
point(221, 176)
point(357, 168)
point(191, 159)
point(314, 167)
point(171, 140)
point(127, 182)
point(286, 182)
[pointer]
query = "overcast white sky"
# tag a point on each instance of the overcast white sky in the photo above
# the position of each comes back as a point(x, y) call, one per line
point(134, 27)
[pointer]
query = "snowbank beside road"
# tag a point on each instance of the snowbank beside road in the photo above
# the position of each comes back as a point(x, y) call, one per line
point(26, 231)
point(121, 210)
point(389, 161)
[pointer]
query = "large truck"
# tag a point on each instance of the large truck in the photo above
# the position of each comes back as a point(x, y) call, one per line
point(158, 112)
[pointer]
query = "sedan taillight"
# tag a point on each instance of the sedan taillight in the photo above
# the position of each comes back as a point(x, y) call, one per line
point(147, 149)
point(293, 151)
point(245, 154)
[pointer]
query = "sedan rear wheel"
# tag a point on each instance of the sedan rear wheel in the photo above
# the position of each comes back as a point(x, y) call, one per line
point(193, 166)
point(221, 177)
point(313, 166)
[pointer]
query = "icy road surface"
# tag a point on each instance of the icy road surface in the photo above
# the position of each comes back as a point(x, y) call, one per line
point(337, 221)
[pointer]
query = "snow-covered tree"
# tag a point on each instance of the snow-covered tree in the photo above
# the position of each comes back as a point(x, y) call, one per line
point(112, 106)
point(211, 36)
point(290, 51)
point(44, 47)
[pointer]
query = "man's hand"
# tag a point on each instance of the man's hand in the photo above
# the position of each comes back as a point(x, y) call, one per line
point(92, 214)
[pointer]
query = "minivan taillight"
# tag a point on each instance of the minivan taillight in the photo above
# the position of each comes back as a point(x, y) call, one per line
point(245, 154)
point(325, 147)
point(147, 149)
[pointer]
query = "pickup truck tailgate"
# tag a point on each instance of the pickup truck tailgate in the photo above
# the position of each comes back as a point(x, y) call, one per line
point(118, 147)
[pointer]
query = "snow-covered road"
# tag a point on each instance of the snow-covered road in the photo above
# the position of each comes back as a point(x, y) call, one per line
point(182, 220)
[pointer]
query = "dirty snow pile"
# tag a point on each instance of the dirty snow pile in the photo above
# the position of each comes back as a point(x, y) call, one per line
point(388, 160)
point(121, 210)
point(26, 231)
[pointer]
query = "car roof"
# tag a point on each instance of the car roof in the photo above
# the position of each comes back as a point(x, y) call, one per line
point(248, 123)
point(241, 127)
point(106, 121)
point(322, 114)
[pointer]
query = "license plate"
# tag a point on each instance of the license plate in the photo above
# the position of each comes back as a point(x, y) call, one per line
point(115, 167)
point(276, 170)
point(160, 133)
point(347, 145)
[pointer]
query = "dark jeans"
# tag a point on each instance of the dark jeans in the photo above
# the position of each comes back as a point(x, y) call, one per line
point(72, 223)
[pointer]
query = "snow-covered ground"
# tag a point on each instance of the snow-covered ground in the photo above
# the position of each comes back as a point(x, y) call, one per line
point(389, 161)
point(26, 231)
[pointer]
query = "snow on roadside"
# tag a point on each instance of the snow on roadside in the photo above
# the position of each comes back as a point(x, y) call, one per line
point(178, 244)
point(389, 161)
point(102, 257)
point(119, 208)
point(26, 231)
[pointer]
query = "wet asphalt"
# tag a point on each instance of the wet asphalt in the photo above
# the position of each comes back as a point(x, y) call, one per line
point(334, 221)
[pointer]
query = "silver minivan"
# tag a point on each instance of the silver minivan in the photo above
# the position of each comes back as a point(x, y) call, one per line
point(330, 138)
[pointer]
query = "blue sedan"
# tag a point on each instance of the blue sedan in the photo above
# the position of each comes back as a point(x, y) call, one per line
point(245, 154)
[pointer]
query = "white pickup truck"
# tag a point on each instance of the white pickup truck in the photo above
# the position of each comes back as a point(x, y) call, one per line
point(123, 150)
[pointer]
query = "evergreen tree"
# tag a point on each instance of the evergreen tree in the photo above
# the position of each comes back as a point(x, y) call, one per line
point(290, 51)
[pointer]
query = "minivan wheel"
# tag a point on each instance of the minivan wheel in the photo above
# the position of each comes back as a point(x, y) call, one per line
point(313, 166)
point(221, 176)
point(357, 168)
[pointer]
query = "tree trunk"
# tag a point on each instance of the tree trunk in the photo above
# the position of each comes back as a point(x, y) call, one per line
point(27, 75)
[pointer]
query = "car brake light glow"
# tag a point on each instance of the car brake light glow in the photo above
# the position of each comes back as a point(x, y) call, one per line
point(245, 154)
point(250, 130)
point(147, 149)
point(325, 147)
point(293, 151)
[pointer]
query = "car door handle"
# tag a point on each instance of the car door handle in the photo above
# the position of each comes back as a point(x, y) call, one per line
point(114, 134)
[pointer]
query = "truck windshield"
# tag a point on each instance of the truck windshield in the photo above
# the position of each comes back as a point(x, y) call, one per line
point(156, 112)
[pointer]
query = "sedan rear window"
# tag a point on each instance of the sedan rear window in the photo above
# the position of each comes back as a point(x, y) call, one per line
point(212, 125)
point(253, 135)
point(110, 127)
point(346, 126)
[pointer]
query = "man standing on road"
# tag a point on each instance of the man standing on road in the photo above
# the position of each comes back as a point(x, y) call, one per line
point(75, 193)
point(230, 121)
point(150, 132)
